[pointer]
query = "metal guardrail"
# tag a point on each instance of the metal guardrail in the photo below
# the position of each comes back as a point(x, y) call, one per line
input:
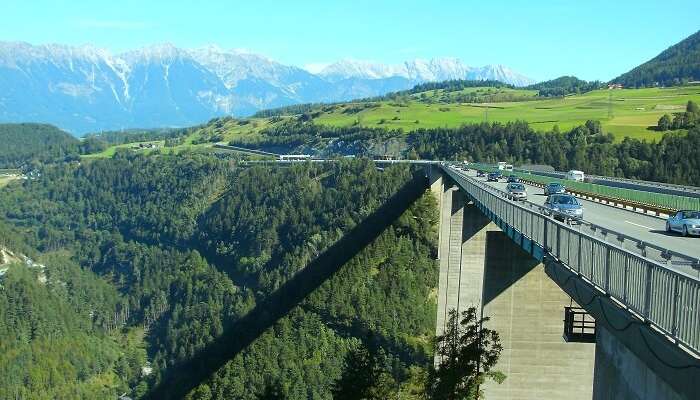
point(613, 201)
point(624, 183)
point(665, 298)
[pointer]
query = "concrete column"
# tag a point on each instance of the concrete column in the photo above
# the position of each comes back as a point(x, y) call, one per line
point(463, 252)
point(444, 250)
point(527, 310)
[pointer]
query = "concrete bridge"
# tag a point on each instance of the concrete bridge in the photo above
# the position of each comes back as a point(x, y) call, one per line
point(638, 309)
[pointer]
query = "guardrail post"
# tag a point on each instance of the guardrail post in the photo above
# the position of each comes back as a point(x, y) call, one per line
point(544, 238)
point(558, 240)
point(607, 270)
point(624, 280)
point(578, 263)
point(676, 295)
point(647, 292)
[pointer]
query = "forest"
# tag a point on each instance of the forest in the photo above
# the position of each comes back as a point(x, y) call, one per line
point(22, 142)
point(563, 86)
point(140, 261)
point(587, 147)
point(679, 64)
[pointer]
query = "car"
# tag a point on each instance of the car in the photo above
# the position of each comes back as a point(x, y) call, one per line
point(563, 207)
point(493, 177)
point(687, 222)
point(554, 188)
point(513, 179)
point(480, 173)
point(516, 191)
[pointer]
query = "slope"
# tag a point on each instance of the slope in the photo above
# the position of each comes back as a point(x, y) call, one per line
point(24, 142)
point(678, 64)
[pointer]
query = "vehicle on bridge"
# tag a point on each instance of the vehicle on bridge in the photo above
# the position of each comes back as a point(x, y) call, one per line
point(563, 207)
point(513, 179)
point(294, 157)
point(554, 188)
point(480, 174)
point(493, 176)
point(516, 191)
point(575, 175)
point(687, 222)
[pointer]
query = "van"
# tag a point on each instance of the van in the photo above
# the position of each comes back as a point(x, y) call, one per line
point(575, 175)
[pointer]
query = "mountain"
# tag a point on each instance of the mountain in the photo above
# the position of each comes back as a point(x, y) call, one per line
point(86, 89)
point(420, 71)
point(678, 64)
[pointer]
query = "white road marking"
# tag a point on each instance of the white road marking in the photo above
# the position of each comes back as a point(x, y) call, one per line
point(641, 226)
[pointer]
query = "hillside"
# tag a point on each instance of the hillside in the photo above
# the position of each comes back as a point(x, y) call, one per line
point(563, 86)
point(168, 251)
point(25, 142)
point(624, 113)
point(678, 64)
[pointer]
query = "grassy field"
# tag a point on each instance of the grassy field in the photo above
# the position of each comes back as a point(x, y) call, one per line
point(625, 112)
point(196, 140)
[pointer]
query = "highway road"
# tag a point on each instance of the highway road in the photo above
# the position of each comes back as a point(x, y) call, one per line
point(647, 228)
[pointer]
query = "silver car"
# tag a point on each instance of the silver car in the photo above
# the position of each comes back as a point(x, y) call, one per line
point(687, 222)
point(516, 191)
point(564, 207)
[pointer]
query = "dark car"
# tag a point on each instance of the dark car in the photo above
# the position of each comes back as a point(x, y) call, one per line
point(564, 207)
point(513, 179)
point(493, 177)
point(480, 173)
point(554, 188)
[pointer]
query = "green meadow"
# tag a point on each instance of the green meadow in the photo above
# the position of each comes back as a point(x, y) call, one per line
point(622, 112)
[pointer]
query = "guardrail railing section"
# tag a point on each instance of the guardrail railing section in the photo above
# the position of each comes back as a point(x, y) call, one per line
point(635, 274)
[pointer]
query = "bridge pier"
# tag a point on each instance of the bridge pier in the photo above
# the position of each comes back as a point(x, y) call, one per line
point(633, 361)
point(527, 310)
point(480, 266)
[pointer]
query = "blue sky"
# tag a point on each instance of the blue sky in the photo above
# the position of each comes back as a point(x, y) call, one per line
point(591, 39)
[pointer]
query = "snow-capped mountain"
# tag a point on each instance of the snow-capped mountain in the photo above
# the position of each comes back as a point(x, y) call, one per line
point(86, 89)
point(419, 71)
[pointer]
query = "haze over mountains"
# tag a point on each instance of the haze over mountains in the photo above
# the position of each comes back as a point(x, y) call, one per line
point(87, 89)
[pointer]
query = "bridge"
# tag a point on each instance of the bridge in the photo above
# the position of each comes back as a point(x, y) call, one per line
point(608, 309)
point(631, 293)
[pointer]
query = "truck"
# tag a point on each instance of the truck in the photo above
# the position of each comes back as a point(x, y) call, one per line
point(575, 175)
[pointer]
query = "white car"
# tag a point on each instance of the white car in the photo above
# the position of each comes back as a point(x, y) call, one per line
point(687, 222)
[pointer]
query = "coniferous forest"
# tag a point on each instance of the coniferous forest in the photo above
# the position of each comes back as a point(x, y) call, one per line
point(136, 263)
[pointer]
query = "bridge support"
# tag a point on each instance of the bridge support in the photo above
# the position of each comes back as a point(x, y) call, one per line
point(481, 266)
point(633, 361)
point(527, 310)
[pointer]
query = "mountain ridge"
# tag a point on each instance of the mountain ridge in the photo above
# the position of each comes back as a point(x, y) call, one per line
point(677, 64)
point(85, 88)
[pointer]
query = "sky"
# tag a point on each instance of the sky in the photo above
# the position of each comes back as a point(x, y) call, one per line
point(542, 39)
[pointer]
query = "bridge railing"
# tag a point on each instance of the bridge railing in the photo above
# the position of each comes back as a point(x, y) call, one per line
point(666, 298)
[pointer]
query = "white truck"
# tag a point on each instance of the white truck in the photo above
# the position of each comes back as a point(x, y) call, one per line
point(575, 175)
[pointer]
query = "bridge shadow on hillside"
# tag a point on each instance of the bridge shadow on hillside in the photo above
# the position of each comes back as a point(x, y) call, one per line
point(239, 334)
